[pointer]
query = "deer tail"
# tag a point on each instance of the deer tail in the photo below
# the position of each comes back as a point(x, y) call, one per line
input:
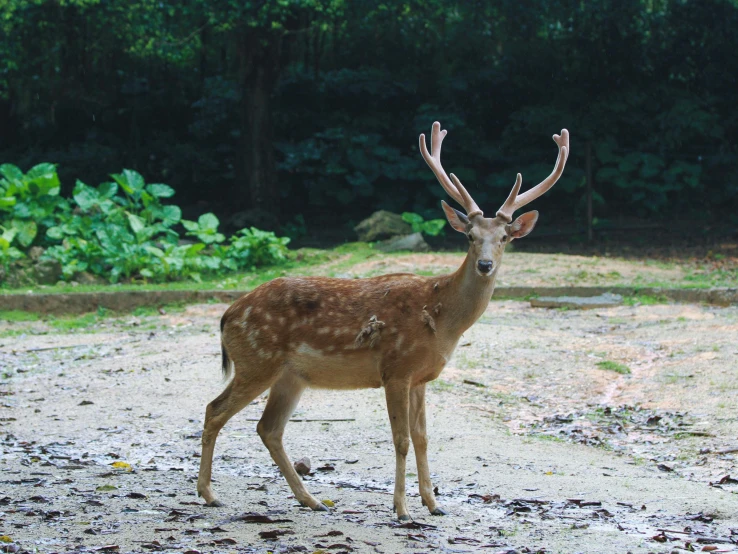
point(227, 366)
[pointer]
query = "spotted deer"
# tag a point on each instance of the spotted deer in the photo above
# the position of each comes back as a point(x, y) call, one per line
point(394, 331)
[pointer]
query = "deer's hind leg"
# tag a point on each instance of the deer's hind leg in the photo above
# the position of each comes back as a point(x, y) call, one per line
point(283, 398)
point(245, 387)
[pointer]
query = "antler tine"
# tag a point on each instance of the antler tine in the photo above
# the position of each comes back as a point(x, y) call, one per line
point(454, 189)
point(515, 202)
point(468, 202)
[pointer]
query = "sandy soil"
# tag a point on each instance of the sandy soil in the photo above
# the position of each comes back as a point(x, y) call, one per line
point(529, 269)
point(534, 447)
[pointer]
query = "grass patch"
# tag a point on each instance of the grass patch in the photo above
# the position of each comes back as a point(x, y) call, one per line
point(644, 300)
point(546, 437)
point(439, 385)
point(617, 367)
point(74, 323)
point(12, 316)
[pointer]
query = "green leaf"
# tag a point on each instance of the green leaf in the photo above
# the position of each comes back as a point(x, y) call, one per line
point(130, 181)
point(45, 179)
point(26, 231)
point(208, 221)
point(11, 172)
point(7, 202)
point(160, 191)
point(434, 227)
point(170, 215)
point(138, 225)
point(107, 190)
point(55, 233)
point(190, 225)
point(85, 197)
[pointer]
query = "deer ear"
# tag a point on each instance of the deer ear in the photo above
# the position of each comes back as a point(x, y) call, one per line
point(523, 225)
point(457, 220)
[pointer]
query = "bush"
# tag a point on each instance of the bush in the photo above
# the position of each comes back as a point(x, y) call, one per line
point(120, 229)
point(431, 227)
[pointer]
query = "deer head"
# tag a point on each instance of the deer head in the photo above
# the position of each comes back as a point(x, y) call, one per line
point(488, 237)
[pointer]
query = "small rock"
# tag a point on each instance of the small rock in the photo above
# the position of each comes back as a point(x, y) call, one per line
point(35, 253)
point(87, 278)
point(302, 466)
point(382, 225)
point(413, 243)
point(47, 272)
point(607, 300)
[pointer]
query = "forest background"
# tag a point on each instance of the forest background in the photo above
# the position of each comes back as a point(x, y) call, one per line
point(306, 113)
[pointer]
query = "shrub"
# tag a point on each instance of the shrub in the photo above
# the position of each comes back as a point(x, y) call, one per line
point(120, 229)
point(431, 227)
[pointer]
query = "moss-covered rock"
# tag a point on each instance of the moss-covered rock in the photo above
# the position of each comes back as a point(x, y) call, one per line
point(382, 225)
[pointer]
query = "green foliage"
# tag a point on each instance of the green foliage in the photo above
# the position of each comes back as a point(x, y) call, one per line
point(29, 204)
point(648, 81)
point(205, 229)
point(432, 227)
point(122, 230)
point(252, 247)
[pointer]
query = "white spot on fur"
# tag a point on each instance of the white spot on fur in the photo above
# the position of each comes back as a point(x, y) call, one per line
point(308, 350)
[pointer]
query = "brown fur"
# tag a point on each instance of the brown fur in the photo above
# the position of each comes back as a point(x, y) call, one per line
point(294, 333)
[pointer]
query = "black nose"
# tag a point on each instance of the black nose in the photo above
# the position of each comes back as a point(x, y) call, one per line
point(485, 266)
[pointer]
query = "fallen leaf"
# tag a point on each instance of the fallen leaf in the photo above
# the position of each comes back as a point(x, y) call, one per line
point(328, 503)
point(121, 465)
point(87, 403)
point(104, 488)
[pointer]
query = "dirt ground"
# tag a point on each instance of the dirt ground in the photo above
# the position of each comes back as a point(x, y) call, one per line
point(538, 444)
point(539, 269)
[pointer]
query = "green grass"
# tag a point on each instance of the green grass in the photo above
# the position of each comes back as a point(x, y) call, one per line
point(13, 316)
point(617, 367)
point(644, 300)
point(75, 323)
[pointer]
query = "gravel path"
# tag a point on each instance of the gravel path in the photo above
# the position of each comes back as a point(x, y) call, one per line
point(534, 446)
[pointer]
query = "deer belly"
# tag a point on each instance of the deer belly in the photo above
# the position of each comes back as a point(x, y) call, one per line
point(321, 369)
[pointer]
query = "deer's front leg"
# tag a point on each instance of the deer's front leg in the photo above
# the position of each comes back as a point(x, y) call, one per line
point(420, 443)
point(398, 401)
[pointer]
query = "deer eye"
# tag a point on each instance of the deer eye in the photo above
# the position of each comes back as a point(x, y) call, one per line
point(504, 238)
point(470, 237)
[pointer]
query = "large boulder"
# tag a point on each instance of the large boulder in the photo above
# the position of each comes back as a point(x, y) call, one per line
point(413, 243)
point(382, 225)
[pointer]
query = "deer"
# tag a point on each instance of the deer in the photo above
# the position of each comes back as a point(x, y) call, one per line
point(395, 331)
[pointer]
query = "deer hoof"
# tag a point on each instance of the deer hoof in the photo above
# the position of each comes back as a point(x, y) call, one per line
point(439, 512)
point(404, 518)
point(320, 507)
point(215, 504)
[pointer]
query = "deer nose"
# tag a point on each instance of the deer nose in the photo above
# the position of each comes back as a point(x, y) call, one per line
point(485, 266)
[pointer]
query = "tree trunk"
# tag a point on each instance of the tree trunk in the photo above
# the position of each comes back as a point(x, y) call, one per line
point(259, 54)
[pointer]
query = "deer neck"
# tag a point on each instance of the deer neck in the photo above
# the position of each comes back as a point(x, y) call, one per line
point(468, 295)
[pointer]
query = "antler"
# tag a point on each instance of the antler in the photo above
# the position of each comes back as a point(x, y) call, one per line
point(454, 189)
point(514, 202)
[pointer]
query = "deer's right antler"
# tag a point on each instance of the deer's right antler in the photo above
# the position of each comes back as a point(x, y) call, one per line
point(452, 186)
